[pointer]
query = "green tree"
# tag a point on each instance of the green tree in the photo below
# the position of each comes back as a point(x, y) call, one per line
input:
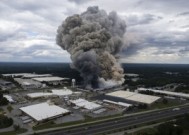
point(4, 101)
point(5, 121)
point(169, 129)
point(165, 101)
point(16, 127)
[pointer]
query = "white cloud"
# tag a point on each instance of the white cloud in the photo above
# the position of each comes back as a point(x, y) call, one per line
point(156, 30)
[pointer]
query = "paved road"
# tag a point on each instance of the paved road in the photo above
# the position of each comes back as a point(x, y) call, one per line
point(121, 123)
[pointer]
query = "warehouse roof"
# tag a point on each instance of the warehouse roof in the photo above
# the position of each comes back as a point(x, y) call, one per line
point(16, 74)
point(62, 92)
point(177, 94)
point(36, 75)
point(85, 104)
point(49, 79)
point(142, 98)
point(39, 94)
point(43, 111)
point(3, 82)
point(121, 93)
point(26, 81)
point(9, 98)
point(26, 75)
point(117, 103)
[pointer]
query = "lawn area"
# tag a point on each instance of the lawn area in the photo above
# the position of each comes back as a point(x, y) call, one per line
point(186, 132)
point(161, 105)
point(22, 130)
point(147, 131)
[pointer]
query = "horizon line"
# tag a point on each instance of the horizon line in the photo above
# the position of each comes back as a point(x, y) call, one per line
point(71, 62)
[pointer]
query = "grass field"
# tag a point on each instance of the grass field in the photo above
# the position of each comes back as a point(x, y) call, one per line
point(147, 131)
point(22, 130)
point(161, 105)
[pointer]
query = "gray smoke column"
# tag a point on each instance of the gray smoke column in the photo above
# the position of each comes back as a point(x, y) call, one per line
point(94, 39)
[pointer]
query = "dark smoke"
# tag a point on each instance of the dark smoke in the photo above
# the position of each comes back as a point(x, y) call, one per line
point(94, 39)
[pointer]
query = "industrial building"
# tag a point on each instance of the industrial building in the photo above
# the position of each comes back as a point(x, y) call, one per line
point(27, 84)
point(15, 75)
point(9, 98)
point(54, 93)
point(4, 85)
point(39, 95)
point(62, 92)
point(40, 78)
point(82, 103)
point(122, 104)
point(174, 94)
point(25, 75)
point(44, 111)
point(29, 76)
point(52, 80)
point(131, 97)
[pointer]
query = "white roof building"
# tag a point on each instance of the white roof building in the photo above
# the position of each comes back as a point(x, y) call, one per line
point(4, 85)
point(39, 94)
point(44, 111)
point(49, 79)
point(36, 75)
point(142, 98)
point(15, 74)
point(55, 92)
point(62, 92)
point(117, 103)
point(28, 83)
point(132, 96)
point(26, 75)
point(176, 94)
point(120, 93)
point(9, 98)
point(85, 104)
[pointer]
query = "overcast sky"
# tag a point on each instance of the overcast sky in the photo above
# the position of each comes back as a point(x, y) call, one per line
point(157, 30)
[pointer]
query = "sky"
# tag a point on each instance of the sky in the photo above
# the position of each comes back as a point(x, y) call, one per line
point(157, 30)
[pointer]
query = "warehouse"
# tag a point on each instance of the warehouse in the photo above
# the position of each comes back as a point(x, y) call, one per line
point(15, 75)
point(174, 94)
point(131, 97)
point(27, 84)
point(117, 103)
point(62, 92)
point(52, 80)
point(39, 95)
point(29, 76)
point(55, 93)
point(4, 85)
point(44, 111)
point(82, 103)
point(25, 75)
point(9, 98)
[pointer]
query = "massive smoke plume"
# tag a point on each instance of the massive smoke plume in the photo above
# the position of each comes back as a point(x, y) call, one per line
point(94, 40)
